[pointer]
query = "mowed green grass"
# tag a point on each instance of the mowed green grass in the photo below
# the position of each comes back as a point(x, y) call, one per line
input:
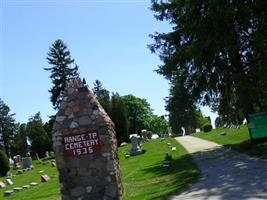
point(43, 191)
point(143, 176)
point(237, 139)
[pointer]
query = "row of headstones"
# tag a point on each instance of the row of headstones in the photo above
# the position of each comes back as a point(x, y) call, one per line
point(21, 171)
point(26, 162)
point(44, 178)
point(168, 157)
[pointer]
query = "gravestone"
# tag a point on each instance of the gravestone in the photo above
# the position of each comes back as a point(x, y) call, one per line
point(33, 184)
point(17, 189)
point(16, 162)
point(9, 181)
point(2, 184)
point(45, 178)
point(37, 156)
point(26, 186)
point(47, 154)
point(145, 136)
point(85, 147)
point(8, 192)
point(26, 162)
point(136, 149)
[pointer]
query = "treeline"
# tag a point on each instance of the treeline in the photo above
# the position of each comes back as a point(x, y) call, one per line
point(130, 114)
point(20, 138)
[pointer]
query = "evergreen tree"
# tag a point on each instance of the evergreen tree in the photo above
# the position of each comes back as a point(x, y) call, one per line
point(119, 118)
point(20, 141)
point(48, 127)
point(181, 107)
point(102, 96)
point(7, 128)
point(37, 135)
point(221, 45)
point(63, 68)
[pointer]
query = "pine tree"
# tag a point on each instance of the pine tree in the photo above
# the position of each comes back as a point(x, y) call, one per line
point(221, 45)
point(7, 127)
point(102, 96)
point(119, 118)
point(63, 68)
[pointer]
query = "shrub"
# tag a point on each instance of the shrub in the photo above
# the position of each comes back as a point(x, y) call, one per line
point(4, 163)
point(207, 127)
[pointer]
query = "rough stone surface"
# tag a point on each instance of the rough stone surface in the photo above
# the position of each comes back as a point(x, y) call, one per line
point(86, 147)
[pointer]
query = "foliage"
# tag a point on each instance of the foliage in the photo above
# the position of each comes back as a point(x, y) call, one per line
point(102, 96)
point(180, 106)
point(20, 145)
point(37, 135)
point(63, 69)
point(220, 49)
point(207, 127)
point(7, 127)
point(138, 112)
point(201, 120)
point(119, 118)
point(158, 124)
point(218, 122)
point(48, 127)
point(4, 163)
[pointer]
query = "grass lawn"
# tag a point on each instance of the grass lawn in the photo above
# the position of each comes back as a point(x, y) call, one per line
point(143, 175)
point(43, 191)
point(237, 139)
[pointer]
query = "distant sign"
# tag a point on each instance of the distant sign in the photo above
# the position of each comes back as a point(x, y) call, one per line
point(257, 124)
point(81, 144)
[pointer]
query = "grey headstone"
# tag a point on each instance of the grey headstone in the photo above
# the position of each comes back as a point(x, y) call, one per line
point(136, 149)
point(26, 162)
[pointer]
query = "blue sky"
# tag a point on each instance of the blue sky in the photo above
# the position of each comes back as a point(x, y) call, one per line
point(107, 39)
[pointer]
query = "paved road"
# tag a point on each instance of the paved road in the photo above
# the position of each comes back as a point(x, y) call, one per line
point(226, 174)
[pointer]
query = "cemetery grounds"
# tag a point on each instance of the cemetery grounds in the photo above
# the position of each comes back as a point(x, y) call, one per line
point(143, 175)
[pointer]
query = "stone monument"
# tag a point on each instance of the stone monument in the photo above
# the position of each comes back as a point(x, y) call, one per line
point(86, 147)
point(27, 163)
point(136, 149)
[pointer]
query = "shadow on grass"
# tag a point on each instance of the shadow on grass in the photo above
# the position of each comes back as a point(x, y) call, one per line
point(184, 173)
point(256, 150)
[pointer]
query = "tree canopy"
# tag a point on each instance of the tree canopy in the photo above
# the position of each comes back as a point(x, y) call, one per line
point(38, 137)
point(63, 68)
point(138, 112)
point(219, 49)
point(7, 127)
